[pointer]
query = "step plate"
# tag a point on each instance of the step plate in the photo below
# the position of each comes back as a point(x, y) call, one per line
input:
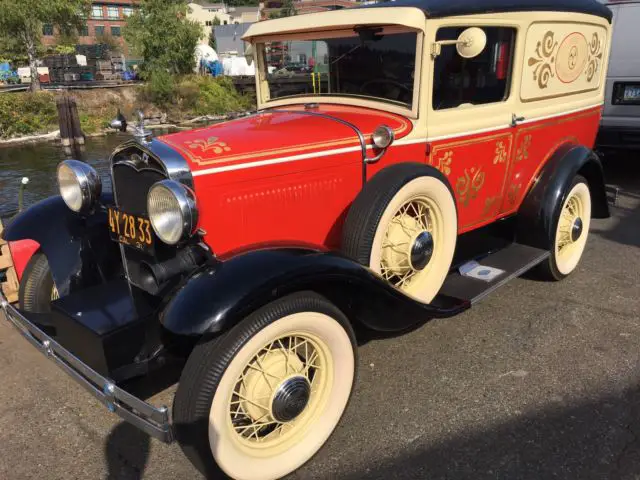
point(515, 260)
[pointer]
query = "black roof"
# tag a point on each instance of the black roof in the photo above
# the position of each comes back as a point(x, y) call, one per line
point(449, 8)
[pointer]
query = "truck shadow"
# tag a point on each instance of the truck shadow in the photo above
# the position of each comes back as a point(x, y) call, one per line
point(592, 440)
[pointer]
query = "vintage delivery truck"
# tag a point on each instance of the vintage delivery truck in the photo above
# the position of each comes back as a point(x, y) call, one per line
point(439, 149)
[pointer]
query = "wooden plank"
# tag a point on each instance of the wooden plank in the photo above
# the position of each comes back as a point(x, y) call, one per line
point(11, 286)
point(5, 257)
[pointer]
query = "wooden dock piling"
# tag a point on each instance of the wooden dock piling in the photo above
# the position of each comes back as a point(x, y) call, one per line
point(69, 121)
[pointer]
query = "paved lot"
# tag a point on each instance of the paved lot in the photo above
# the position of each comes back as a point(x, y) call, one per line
point(539, 381)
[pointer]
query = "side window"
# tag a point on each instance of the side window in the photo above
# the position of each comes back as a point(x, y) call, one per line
point(477, 81)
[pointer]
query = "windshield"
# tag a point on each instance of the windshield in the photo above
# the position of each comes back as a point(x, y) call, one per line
point(368, 62)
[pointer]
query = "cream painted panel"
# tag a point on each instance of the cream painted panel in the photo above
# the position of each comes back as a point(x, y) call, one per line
point(336, 19)
point(562, 59)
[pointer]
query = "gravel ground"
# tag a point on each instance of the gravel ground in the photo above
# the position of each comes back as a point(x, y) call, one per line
point(538, 381)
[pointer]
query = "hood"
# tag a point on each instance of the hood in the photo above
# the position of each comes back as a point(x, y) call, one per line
point(281, 132)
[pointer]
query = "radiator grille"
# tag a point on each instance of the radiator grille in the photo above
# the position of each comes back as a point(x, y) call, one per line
point(132, 180)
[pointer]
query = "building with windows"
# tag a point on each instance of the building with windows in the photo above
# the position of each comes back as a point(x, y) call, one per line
point(205, 14)
point(106, 18)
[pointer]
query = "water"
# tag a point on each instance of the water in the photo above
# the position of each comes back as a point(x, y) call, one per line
point(39, 161)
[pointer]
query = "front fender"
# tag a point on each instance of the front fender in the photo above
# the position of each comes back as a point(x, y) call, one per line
point(538, 214)
point(78, 249)
point(218, 296)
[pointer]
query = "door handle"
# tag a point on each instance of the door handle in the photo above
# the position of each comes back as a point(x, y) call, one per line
point(515, 120)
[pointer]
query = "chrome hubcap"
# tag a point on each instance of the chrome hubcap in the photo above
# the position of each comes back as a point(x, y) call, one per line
point(421, 251)
point(290, 398)
point(576, 229)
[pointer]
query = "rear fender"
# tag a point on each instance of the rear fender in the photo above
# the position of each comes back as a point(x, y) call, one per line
point(537, 217)
point(219, 296)
point(79, 250)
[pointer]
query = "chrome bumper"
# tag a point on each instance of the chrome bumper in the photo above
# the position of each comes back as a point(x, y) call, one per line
point(152, 420)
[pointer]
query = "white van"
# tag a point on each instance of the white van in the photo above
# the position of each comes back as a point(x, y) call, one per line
point(620, 125)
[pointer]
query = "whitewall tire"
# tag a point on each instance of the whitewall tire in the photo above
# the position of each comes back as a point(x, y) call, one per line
point(404, 227)
point(270, 391)
point(571, 233)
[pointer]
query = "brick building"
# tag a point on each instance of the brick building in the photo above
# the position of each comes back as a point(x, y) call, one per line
point(107, 17)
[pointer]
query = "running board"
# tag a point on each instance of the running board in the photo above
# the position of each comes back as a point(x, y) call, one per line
point(503, 265)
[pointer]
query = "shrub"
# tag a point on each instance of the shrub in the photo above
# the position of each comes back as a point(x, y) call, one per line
point(216, 96)
point(199, 95)
point(160, 88)
point(27, 114)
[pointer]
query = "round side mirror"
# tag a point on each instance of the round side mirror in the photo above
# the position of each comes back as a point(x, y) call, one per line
point(248, 54)
point(471, 42)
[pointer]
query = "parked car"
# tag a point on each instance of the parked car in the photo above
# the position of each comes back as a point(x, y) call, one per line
point(249, 249)
point(620, 125)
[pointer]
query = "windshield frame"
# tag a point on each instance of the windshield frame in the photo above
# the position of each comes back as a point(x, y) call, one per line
point(262, 84)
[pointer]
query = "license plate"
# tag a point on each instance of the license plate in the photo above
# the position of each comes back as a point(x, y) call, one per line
point(130, 230)
point(631, 93)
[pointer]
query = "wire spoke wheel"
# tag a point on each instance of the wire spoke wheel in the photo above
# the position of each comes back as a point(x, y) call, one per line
point(572, 230)
point(404, 227)
point(278, 388)
point(262, 399)
point(408, 243)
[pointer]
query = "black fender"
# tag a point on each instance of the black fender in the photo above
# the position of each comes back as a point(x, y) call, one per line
point(539, 212)
point(78, 248)
point(218, 296)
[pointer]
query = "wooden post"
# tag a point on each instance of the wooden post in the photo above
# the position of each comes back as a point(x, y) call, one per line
point(63, 121)
point(76, 129)
point(10, 284)
point(69, 121)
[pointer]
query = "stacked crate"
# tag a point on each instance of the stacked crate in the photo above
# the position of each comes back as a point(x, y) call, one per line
point(118, 63)
point(104, 65)
point(8, 278)
point(104, 70)
point(64, 68)
point(101, 65)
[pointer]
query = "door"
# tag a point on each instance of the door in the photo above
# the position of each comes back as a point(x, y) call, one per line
point(469, 123)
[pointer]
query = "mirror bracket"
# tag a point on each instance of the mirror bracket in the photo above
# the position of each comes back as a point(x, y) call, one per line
point(436, 47)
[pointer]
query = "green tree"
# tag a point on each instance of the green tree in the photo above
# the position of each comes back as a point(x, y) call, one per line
point(212, 36)
point(23, 19)
point(110, 41)
point(160, 31)
point(288, 9)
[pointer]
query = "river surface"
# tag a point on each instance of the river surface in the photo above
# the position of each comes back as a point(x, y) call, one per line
point(38, 162)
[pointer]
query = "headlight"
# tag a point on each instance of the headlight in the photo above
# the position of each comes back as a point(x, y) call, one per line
point(383, 137)
point(172, 211)
point(80, 185)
